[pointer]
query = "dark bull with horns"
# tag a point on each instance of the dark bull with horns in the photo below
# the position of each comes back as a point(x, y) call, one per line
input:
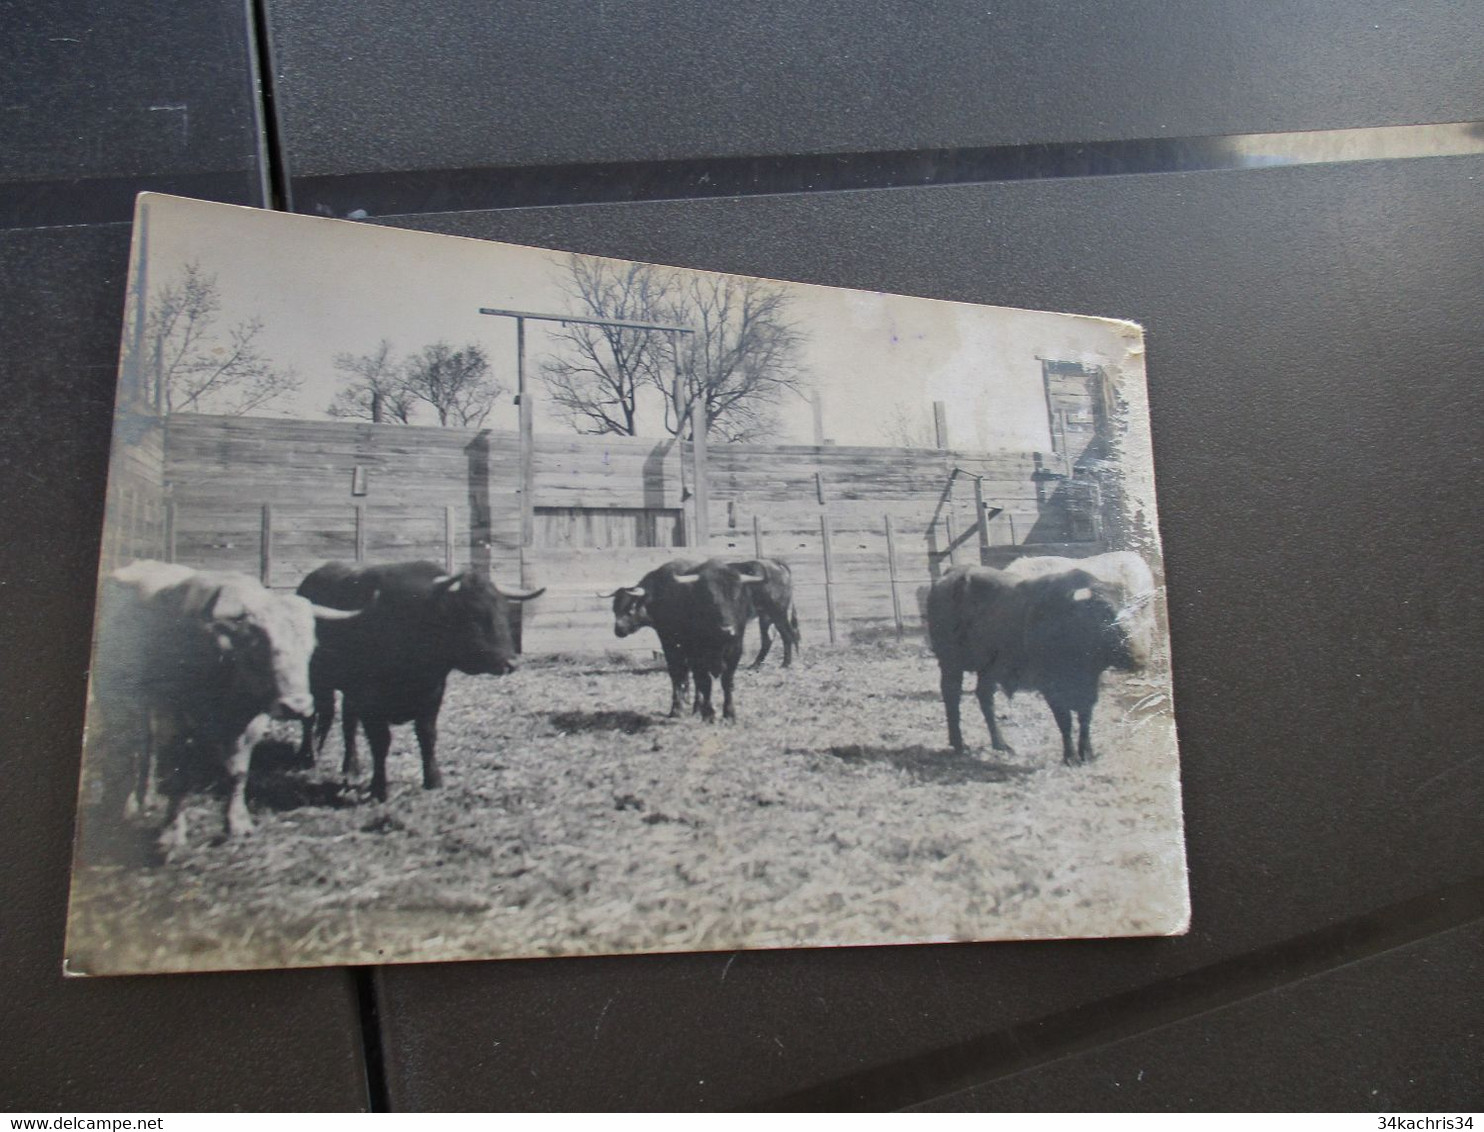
point(392, 664)
point(699, 610)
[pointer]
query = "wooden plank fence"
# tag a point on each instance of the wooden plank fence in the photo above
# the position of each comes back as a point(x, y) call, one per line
point(863, 530)
point(137, 516)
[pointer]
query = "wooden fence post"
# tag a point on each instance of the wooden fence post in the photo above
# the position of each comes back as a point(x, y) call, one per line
point(940, 424)
point(360, 533)
point(952, 539)
point(757, 537)
point(112, 507)
point(169, 530)
point(133, 524)
point(829, 574)
point(701, 485)
point(891, 569)
point(982, 520)
point(526, 422)
point(448, 525)
point(265, 547)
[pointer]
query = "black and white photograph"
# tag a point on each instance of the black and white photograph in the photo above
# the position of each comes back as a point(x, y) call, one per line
point(466, 600)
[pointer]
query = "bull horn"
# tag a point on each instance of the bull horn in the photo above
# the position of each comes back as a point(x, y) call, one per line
point(518, 595)
point(687, 579)
point(610, 593)
point(750, 579)
point(325, 613)
point(1083, 594)
point(218, 610)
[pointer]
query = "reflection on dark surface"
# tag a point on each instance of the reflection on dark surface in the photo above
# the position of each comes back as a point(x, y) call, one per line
point(357, 196)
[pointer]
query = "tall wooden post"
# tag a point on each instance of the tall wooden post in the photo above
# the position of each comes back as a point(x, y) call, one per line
point(265, 547)
point(138, 397)
point(131, 498)
point(952, 538)
point(940, 423)
point(527, 451)
point(701, 488)
point(757, 537)
point(891, 570)
point(448, 528)
point(169, 530)
point(983, 521)
point(829, 574)
point(360, 533)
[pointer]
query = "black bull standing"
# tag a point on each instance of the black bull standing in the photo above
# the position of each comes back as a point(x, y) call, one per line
point(1054, 635)
point(700, 611)
point(392, 663)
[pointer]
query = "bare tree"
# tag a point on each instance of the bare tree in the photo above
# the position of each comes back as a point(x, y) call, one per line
point(375, 388)
point(908, 426)
point(200, 368)
point(742, 358)
point(457, 383)
point(595, 381)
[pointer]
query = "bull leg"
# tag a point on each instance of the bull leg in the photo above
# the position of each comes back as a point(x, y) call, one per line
point(951, 683)
point(984, 689)
point(703, 707)
point(679, 676)
point(160, 737)
point(765, 632)
point(1064, 724)
point(239, 821)
point(789, 631)
point(379, 739)
point(317, 727)
point(173, 832)
point(426, 727)
point(350, 765)
point(138, 767)
point(324, 718)
point(1084, 736)
point(164, 771)
point(729, 669)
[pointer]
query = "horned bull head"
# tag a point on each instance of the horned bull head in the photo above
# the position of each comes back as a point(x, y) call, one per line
point(631, 591)
point(630, 609)
point(474, 624)
point(266, 640)
point(1123, 646)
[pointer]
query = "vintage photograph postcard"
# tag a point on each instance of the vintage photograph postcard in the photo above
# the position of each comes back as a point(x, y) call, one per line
point(461, 600)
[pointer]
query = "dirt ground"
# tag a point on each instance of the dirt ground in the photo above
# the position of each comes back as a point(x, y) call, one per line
point(576, 819)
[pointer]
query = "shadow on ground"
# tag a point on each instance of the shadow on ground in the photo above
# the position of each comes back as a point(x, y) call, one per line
point(576, 722)
point(936, 765)
point(926, 696)
point(278, 783)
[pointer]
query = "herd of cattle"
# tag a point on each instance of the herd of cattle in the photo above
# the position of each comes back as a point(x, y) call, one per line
point(192, 665)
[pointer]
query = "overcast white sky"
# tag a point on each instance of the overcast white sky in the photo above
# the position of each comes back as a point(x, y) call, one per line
point(323, 287)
